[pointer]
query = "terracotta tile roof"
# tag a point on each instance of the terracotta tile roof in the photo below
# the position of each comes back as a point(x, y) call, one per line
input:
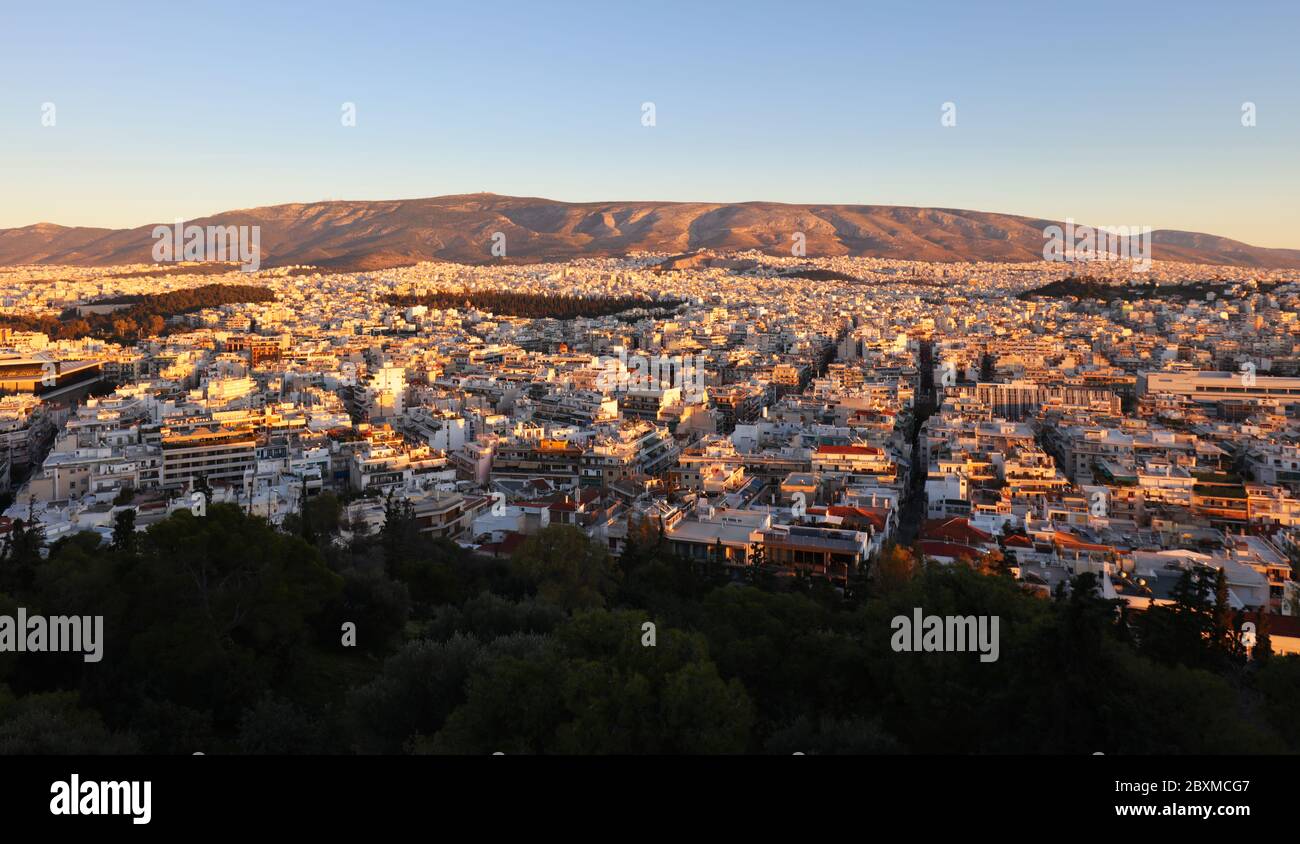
point(955, 530)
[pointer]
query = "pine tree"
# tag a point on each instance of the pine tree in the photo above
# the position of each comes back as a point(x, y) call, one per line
point(307, 531)
point(1181, 632)
point(400, 534)
point(1236, 649)
point(1222, 631)
point(1263, 642)
point(124, 530)
point(21, 555)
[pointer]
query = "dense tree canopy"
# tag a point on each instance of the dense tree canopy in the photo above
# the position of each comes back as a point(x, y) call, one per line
point(224, 633)
point(531, 305)
point(143, 316)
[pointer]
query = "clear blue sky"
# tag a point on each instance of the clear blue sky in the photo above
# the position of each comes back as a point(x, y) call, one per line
point(1110, 113)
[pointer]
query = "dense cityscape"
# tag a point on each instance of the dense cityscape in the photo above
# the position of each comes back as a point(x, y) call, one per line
point(827, 432)
point(423, 413)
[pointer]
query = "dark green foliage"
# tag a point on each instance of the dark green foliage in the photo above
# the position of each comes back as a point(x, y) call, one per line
point(124, 530)
point(224, 634)
point(377, 605)
point(1088, 287)
point(53, 723)
point(417, 690)
point(531, 305)
point(567, 569)
point(594, 688)
point(276, 726)
point(1196, 629)
point(146, 316)
point(490, 616)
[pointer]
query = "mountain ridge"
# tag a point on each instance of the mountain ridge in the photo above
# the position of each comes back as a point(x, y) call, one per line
point(373, 234)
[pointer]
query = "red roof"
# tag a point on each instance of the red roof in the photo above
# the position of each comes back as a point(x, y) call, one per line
point(957, 530)
point(948, 549)
point(857, 513)
point(507, 545)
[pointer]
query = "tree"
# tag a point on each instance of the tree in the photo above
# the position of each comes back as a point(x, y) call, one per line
point(417, 689)
point(988, 366)
point(279, 727)
point(124, 530)
point(55, 723)
point(792, 653)
point(74, 329)
point(322, 514)
point(1181, 632)
point(1278, 681)
point(642, 542)
point(1263, 641)
point(593, 688)
point(213, 611)
point(828, 736)
point(125, 328)
point(378, 606)
point(400, 535)
point(991, 562)
point(567, 568)
point(1222, 630)
point(317, 517)
point(717, 563)
point(21, 555)
point(490, 616)
point(894, 568)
